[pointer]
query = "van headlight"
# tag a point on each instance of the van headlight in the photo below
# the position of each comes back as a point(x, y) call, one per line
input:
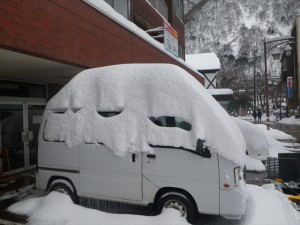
point(237, 175)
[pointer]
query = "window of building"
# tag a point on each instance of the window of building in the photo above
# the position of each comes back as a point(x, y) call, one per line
point(171, 121)
point(161, 7)
point(178, 8)
point(181, 52)
point(121, 6)
point(19, 89)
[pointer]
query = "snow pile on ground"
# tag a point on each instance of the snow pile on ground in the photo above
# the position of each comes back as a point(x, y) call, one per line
point(265, 205)
point(277, 134)
point(273, 135)
point(58, 209)
point(275, 147)
point(290, 120)
point(140, 91)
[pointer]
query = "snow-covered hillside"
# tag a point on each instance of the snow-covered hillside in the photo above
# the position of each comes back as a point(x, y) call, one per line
point(234, 29)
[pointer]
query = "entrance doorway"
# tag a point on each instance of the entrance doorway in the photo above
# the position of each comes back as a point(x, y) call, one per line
point(19, 127)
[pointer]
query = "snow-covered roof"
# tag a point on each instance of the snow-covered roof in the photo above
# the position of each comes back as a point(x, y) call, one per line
point(220, 91)
point(108, 11)
point(141, 91)
point(203, 61)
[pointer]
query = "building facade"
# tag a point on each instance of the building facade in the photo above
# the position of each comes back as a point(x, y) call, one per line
point(290, 67)
point(43, 44)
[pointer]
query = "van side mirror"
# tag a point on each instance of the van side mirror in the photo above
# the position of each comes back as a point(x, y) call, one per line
point(204, 152)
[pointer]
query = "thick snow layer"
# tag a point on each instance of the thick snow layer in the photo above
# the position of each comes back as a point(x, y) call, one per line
point(256, 141)
point(140, 91)
point(290, 120)
point(203, 61)
point(254, 164)
point(277, 134)
point(273, 136)
point(265, 205)
point(57, 208)
point(220, 91)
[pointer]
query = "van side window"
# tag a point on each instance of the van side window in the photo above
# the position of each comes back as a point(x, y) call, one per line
point(171, 121)
point(109, 114)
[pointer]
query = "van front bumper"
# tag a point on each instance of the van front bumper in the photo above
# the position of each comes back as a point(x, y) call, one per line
point(233, 201)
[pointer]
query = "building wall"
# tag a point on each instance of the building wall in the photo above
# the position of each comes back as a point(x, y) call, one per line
point(146, 12)
point(73, 32)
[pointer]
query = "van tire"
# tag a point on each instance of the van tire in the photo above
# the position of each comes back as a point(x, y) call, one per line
point(179, 202)
point(64, 189)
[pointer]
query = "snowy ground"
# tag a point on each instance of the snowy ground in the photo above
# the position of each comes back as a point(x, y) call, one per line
point(265, 205)
point(291, 120)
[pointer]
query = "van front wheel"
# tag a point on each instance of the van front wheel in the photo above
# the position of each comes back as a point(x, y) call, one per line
point(179, 202)
point(64, 189)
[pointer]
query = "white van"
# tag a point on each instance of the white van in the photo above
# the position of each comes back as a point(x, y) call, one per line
point(142, 135)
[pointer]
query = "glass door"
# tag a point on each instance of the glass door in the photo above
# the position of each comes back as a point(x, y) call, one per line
point(19, 128)
point(35, 114)
point(12, 124)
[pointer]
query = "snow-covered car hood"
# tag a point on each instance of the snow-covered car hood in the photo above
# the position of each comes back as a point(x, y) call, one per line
point(256, 140)
point(140, 91)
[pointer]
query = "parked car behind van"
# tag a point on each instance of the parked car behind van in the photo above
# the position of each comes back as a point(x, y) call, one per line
point(256, 140)
point(144, 136)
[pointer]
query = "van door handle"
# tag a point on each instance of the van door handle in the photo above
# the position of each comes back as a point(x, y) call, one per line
point(151, 156)
point(133, 157)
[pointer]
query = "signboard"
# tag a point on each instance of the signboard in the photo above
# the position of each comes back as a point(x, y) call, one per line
point(170, 39)
point(289, 85)
point(289, 82)
point(290, 92)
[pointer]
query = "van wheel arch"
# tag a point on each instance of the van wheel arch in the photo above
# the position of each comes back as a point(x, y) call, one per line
point(168, 191)
point(64, 183)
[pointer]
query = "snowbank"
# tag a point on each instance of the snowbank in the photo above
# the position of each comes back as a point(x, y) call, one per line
point(265, 205)
point(290, 120)
point(277, 134)
point(273, 135)
point(140, 91)
point(58, 209)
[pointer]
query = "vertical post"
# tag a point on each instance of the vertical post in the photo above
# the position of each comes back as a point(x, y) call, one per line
point(266, 87)
point(280, 100)
point(254, 83)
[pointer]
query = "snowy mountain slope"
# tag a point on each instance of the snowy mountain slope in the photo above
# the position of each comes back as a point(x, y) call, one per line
point(233, 29)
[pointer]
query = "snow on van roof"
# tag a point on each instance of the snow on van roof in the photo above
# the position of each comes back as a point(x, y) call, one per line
point(140, 91)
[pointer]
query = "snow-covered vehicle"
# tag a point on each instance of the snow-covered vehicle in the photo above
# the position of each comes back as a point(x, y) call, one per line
point(256, 140)
point(147, 135)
